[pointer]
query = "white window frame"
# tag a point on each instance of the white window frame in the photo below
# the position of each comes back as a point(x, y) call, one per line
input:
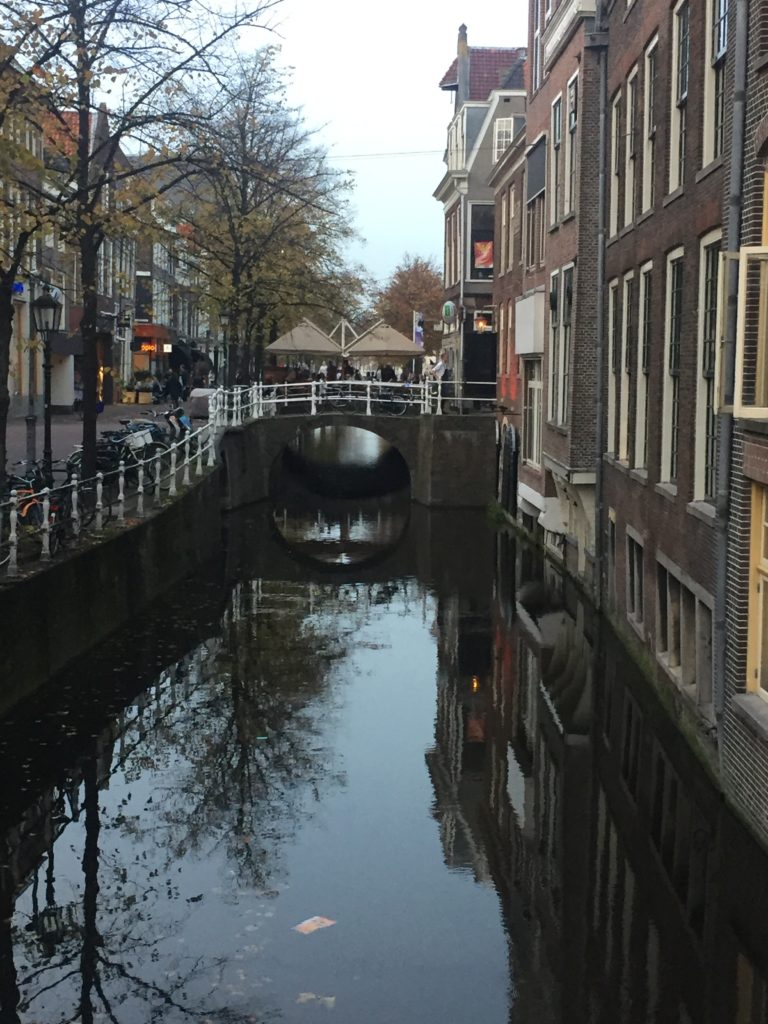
point(503, 128)
point(571, 128)
point(616, 155)
point(630, 148)
point(650, 100)
point(555, 161)
point(532, 413)
point(715, 50)
point(613, 296)
point(644, 330)
point(553, 397)
point(704, 359)
point(679, 90)
point(669, 443)
point(628, 299)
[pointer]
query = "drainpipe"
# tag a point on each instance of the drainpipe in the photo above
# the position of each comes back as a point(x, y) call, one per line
point(725, 416)
point(598, 40)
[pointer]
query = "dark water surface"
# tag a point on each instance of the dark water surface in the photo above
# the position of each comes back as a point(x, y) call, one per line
point(419, 741)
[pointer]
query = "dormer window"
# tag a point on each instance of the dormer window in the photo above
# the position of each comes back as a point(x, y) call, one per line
point(502, 136)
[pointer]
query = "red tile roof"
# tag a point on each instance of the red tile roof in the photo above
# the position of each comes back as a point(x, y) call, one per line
point(489, 66)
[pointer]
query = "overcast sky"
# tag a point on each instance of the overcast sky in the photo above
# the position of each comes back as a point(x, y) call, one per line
point(368, 74)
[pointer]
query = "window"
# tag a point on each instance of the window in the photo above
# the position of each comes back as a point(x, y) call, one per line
point(569, 196)
point(481, 241)
point(714, 85)
point(554, 346)
point(627, 339)
point(614, 311)
point(680, 73)
point(504, 252)
point(684, 633)
point(502, 341)
point(643, 366)
point(616, 158)
point(565, 343)
point(757, 663)
point(635, 580)
point(706, 419)
point(532, 412)
point(535, 211)
point(556, 139)
point(672, 343)
point(630, 152)
point(536, 69)
point(502, 136)
point(649, 126)
point(512, 216)
point(630, 745)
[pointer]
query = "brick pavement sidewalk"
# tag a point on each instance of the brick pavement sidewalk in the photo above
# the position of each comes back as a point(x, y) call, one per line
point(67, 430)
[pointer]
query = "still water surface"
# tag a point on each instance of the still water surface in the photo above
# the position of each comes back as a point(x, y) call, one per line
point(422, 747)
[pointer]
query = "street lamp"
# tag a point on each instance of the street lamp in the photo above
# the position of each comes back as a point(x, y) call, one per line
point(224, 321)
point(46, 317)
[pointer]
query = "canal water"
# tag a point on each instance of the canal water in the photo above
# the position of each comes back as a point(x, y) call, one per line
point(374, 764)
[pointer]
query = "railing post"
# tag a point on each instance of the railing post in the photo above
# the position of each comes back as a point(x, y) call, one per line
point(121, 493)
point(187, 453)
point(211, 447)
point(439, 409)
point(140, 492)
point(75, 506)
point(172, 491)
point(368, 399)
point(313, 392)
point(45, 554)
point(199, 454)
point(13, 536)
point(212, 408)
point(254, 400)
point(99, 503)
point(158, 472)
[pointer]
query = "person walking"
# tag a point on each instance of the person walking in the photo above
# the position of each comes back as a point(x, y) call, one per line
point(437, 374)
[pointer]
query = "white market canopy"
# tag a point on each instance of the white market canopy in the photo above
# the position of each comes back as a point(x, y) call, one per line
point(305, 339)
point(383, 340)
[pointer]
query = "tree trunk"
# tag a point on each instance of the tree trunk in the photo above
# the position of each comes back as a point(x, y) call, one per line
point(89, 249)
point(6, 334)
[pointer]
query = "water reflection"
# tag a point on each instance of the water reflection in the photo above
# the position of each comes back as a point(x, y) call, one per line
point(457, 765)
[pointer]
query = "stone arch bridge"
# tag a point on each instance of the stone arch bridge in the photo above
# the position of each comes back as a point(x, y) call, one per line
point(451, 459)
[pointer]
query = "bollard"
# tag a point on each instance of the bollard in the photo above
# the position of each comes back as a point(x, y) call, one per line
point(75, 507)
point(121, 493)
point(187, 451)
point(99, 503)
point(13, 536)
point(140, 492)
point(172, 490)
point(45, 529)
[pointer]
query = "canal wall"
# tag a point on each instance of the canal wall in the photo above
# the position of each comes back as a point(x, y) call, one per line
point(451, 459)
point(56, 614)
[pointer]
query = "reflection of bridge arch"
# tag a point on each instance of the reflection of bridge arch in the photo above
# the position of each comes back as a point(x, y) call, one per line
point(451, 459)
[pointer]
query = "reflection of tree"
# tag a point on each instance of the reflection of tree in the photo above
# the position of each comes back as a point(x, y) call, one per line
point(234, 737)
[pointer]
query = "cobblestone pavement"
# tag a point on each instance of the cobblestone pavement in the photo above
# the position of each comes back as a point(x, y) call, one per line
point(67, 430)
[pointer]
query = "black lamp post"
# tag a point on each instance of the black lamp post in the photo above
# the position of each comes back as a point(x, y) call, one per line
point(46, 316)
point(224, 321)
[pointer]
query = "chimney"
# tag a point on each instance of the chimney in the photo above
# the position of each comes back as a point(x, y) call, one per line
point(462, 51)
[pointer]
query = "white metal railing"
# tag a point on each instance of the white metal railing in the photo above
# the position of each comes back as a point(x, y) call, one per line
point(234, 406)
point(35, 523)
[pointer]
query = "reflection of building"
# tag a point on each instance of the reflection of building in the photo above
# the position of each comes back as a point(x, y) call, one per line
point(457, 762)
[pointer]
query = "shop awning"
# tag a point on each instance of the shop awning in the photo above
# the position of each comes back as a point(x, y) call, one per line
point(156, 331)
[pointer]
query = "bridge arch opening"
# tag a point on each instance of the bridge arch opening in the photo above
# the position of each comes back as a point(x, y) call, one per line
point(340, 495)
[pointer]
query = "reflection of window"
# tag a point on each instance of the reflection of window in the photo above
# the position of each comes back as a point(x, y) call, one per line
point(635, 581)
point(532, 411)
point(481, 240)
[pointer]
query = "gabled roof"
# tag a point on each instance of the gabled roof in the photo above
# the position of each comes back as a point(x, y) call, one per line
point(383, 340)
point(490, 68)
